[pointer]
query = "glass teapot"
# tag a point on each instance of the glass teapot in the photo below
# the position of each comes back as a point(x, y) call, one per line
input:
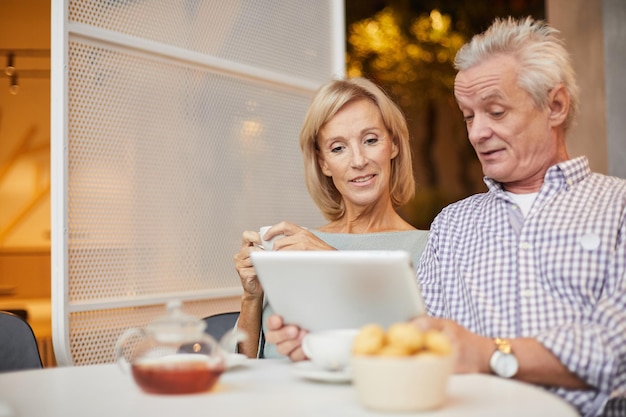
point(173, 354)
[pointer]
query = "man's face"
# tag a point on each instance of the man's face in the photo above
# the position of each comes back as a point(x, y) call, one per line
point(513, 139)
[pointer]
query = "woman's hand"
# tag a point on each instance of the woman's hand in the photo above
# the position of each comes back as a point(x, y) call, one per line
point(287, 338)
point(243, 264)
point(290, 236)
point(252, 298)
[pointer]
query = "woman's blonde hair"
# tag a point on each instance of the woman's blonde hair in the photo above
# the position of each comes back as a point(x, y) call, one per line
point(328, 100)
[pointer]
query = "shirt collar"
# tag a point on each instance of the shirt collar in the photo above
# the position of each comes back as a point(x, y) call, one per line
point(566, 173)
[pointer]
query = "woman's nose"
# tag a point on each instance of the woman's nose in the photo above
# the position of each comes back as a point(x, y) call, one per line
point(358, 158)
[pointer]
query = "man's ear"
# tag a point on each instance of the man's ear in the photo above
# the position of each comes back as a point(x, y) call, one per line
point(558, 103)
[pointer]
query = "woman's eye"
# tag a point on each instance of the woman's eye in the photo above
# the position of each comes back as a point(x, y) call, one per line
point(371, 140)
point(337, 149)
point(497, 114)
point(468, 118)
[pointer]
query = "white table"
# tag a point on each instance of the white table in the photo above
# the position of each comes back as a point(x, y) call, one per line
point(258, 388)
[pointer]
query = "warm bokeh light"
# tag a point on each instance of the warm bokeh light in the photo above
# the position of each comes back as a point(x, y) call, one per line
point(412, 58)
point(395, 56)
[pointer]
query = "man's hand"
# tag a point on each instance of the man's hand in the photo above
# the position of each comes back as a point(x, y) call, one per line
point(472, 351)
point(537, 364)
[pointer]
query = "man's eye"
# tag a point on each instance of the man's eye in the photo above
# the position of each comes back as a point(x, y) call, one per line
point(497, 114)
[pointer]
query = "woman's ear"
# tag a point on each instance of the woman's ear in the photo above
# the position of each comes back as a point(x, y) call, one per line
point(558, 102)
point(394, 149)
point(323, 166)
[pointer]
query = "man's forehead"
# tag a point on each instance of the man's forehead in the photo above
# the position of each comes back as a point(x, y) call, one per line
point(485, 84)
point(498, 64)
point(485, 80)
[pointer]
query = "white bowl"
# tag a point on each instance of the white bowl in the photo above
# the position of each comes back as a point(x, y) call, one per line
point(410, 383)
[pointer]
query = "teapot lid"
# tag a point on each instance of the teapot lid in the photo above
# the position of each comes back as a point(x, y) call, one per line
point(176, 326)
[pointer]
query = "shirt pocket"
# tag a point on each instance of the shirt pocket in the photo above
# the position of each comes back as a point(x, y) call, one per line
point(573, 264)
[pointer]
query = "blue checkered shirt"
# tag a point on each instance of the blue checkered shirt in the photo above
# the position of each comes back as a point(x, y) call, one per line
point(558, 275)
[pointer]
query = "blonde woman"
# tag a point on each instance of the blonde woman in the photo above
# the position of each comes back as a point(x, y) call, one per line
point(358, 170)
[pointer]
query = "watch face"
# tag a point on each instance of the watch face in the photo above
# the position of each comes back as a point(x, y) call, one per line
point(503, 364)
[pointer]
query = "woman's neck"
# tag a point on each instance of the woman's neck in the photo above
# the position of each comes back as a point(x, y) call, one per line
point(368, 220)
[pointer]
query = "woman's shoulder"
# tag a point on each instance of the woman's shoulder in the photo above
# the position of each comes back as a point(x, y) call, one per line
point(410, 240)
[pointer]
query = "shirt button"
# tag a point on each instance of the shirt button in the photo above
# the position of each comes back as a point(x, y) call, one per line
point(527, 293)
point(524, 245)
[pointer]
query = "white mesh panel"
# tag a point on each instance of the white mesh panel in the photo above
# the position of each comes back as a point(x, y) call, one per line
point(94, 333)
point(169, 158)
point(164, 164)
point(273, 34)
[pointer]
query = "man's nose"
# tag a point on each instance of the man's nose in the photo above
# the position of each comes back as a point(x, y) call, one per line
point(479, 129)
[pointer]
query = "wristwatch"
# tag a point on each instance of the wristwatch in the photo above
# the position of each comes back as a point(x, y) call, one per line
point(503, 362)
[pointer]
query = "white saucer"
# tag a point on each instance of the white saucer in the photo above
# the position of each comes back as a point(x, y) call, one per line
point(235, 359)
point(307, 370)
point(6, 410)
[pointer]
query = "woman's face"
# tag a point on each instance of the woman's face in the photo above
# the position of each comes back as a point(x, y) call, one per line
point(356, 152)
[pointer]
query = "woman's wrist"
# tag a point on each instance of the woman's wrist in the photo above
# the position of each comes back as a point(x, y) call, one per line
point(251, 298)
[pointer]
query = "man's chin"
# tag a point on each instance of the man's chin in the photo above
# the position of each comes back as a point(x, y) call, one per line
point(496, 175)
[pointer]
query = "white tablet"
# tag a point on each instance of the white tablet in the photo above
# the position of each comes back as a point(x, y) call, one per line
point(321, 290)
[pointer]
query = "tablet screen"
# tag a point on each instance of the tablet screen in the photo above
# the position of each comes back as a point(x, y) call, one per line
point(322, 290)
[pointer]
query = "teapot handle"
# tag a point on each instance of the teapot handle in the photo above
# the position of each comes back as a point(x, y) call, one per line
point(122, 345)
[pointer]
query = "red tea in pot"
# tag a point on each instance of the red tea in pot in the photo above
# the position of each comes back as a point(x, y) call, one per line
point(177, 374)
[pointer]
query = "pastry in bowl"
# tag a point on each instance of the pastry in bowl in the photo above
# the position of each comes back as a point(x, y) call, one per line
point(401, 369)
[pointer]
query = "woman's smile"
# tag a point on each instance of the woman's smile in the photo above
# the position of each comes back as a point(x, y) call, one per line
point(363, 180)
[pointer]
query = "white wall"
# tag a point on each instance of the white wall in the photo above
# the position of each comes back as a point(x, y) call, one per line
point(580, 23)
point(595, 34)
point(25, 127)
point(614, 15)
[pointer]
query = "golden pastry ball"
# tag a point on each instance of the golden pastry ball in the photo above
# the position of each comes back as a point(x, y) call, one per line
point(437, 342)
point(406, 337)
point(369, 340)
point(401, 339)
point(394, 350)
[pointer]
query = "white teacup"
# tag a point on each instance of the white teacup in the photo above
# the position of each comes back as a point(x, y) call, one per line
point(331, 349)
point(267, 244)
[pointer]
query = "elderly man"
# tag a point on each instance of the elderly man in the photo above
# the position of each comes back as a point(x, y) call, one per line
point(529, 279)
